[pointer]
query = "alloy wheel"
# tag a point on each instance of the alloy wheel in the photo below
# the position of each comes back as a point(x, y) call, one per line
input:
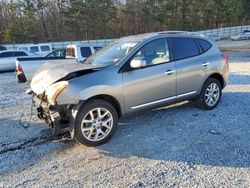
point(212, 94)
point(97, 124)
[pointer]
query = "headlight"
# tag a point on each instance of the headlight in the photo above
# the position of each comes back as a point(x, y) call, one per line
point(54, 90)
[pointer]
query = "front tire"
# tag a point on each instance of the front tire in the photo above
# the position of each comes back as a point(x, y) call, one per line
point(96, 122)
point(210, 94)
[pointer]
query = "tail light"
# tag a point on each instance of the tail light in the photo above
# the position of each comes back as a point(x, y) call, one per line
point(225, 57)
point(19, 69)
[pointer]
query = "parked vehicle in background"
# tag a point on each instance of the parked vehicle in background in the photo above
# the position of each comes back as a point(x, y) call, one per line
point(132, 74)
point(36, 48)
point(80, 52)
point(54, 55)
point(2, 48)
point(8, 58)
point(241, 36)
point(26, 67)
point(57, 53)
point(214, 37)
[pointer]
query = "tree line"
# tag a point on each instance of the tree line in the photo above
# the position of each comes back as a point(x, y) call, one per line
point(59, 20)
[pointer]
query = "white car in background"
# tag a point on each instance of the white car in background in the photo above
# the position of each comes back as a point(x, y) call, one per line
point(36, 48)
point(241, 36)
point(26, 67)
point(8, 59)
point(214, 37)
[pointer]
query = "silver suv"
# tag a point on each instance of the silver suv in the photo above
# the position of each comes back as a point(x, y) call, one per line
point(134, 73)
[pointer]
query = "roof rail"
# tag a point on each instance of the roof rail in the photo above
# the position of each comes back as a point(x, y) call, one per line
point(171, 32)
point(181, 32)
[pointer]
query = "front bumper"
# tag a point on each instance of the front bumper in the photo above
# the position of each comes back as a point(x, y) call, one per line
point(58, 117)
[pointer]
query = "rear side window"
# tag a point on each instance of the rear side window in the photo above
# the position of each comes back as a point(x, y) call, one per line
point(23, 48)
point(18, 54)
point(3, 48)
point(205, 45)
point(57, 53)
point(85, 51)
point(34, 49)
point(45, 48)
point(183, 48)
point(6, 54)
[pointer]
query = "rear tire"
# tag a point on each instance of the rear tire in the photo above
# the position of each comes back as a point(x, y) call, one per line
point(210, 94)
point(96, 122)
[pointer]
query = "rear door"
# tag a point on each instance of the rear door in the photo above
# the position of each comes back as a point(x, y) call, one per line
point(154, 84)
point(191, 67)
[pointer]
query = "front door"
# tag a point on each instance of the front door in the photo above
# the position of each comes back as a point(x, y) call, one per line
point(155, 83)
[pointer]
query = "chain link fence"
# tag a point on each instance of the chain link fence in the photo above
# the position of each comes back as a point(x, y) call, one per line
point(222, 33)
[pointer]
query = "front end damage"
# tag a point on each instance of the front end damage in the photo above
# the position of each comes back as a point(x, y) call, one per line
point(60, 118)
point(57, 107)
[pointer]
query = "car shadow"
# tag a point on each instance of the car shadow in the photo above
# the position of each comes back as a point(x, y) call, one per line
point(184, 133)
point(179, 133)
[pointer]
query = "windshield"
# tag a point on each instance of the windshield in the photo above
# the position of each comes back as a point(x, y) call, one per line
point(111, 54)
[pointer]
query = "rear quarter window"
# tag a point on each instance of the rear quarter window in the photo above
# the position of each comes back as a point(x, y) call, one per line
point(205, 45)
point(86, 51)
point(183, 48)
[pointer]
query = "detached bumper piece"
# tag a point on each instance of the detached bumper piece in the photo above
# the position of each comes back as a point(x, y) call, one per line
point(57, 117)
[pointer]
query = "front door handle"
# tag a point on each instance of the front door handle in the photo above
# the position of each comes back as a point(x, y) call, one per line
point(169, 72)
point(205, 64)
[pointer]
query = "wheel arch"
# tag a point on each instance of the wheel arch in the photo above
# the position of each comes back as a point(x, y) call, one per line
point(218, 77)
point(74, 112)
point(112, 100)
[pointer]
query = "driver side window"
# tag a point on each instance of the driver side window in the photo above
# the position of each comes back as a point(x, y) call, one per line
point(155, 52)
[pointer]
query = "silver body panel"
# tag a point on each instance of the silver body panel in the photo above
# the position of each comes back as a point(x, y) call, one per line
point(51, 72)
point(149, 84)
point(30, 67)
point(143, 88)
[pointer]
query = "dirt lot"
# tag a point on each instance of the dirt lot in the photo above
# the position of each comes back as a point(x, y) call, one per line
point(176, 146)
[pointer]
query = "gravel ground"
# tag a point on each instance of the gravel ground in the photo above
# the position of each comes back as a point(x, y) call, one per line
point(176, 146)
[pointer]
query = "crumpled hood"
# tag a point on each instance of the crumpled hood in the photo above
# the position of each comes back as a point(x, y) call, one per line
point(49, 73)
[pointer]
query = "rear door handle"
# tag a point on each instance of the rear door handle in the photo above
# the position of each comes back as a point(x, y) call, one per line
point(205, 64)
point(169, 72)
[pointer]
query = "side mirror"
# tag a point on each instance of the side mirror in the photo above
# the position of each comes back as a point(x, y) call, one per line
point(137, 63)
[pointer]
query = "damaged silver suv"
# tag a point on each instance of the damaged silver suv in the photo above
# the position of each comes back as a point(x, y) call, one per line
point(132, 74)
